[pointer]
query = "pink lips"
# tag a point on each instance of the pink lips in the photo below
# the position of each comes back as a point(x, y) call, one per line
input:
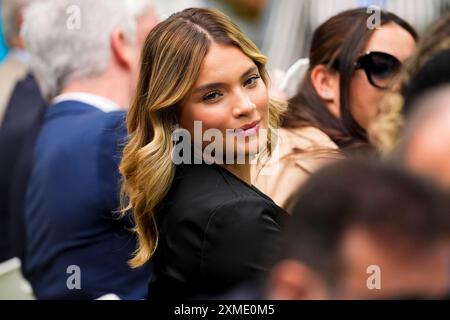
point(250, 129)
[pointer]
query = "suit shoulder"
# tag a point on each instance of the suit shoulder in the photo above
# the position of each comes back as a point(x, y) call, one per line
point(116, 119)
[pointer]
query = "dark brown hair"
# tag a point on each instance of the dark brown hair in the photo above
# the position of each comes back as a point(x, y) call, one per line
point(337, 43)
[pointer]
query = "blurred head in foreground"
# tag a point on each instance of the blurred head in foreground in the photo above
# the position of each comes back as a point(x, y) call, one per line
point(364, 231)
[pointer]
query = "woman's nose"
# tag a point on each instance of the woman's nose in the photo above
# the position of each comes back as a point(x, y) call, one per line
point(243, 105)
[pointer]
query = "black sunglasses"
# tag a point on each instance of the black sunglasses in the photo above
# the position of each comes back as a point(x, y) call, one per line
point(379, 67)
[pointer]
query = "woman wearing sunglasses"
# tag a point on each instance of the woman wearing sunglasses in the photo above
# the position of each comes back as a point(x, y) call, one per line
point(350, 68)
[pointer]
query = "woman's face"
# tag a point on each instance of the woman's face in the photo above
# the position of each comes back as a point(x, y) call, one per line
point(364, 97)
point(230, 96)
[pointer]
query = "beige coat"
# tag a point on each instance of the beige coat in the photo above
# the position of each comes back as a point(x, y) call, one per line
point(298, 154)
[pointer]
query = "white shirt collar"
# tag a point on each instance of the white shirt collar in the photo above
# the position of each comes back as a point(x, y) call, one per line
point(96, 101)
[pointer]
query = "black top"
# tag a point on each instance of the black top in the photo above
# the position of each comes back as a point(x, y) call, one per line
point(215, 232)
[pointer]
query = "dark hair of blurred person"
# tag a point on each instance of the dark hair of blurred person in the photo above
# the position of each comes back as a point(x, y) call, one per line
point(352, 218)
point(337, 95)
point(385, 130)
point(434, 74)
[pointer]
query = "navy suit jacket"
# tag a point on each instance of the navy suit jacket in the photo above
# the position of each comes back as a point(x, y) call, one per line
point(70, 210)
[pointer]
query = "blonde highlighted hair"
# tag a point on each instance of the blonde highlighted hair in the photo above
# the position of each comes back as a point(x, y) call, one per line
point(171, 61)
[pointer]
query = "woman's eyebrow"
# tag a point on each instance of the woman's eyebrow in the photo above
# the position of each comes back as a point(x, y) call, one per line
point(216, 85)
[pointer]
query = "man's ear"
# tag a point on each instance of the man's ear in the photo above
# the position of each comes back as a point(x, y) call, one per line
point(326, 84)
point(122, 50)
point(293, 280)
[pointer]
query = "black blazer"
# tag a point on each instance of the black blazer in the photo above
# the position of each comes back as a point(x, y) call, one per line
point(215, 232)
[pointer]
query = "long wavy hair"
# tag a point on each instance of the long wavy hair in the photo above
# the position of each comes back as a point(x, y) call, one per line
point(336, 43)
point(384, 132)
point(172, 56)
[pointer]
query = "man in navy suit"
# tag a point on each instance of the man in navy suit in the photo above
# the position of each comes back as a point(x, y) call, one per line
point(77, 244)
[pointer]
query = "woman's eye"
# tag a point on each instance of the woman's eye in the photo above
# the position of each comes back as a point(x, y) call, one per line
point(212, 96)
point(251, 81)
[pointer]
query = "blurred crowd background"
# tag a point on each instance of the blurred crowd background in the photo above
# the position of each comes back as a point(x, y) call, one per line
point(283, 30)
point(271, 24)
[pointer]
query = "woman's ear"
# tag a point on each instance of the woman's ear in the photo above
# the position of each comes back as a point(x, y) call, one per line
point(326, 84)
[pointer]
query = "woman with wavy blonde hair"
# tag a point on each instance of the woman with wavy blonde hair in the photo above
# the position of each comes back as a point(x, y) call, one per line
point(202, 223)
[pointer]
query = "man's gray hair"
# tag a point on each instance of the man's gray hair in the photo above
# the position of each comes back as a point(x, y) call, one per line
point(71, 39)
